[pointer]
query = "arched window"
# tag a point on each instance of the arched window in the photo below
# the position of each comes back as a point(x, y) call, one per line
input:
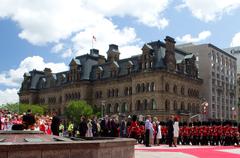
point(143, 87)
point(124, 107)
point(145, 104)
point(126, 91)
point(167, 105)
point(138, 105)
point(116, 108)
point(182, 90)
point(138, 87)
point(189, 92)
point(130, 90)
point(153, 104)
point(182, 106)
point(109, 108)
point(116, 92)
point(147, 87)
point(175, 89)
point(167, 87)
point(152, 88)
point(175, 105)
point(113, 93)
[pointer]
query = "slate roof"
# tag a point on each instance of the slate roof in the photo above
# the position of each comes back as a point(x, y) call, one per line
point(88, 65)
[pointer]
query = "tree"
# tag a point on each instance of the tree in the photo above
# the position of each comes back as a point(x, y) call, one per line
point(76, 109)
point(21, 108)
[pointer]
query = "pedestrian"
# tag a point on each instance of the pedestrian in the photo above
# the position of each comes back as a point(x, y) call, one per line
point(170, 131)
point(89, 128)
point(159, 133)
point(175, 131)
point(148, 131)
point(55, 124)
point(28, 120)
point(82, 128)
point(94, 126)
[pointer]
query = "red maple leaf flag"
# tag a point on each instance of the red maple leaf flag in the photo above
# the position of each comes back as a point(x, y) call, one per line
point(94, 38)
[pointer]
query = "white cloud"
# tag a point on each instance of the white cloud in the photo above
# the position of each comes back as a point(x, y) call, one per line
point(105, 33)
point(8, 96)
point(67, 53)
point(210, 10)
point(146, 12)
point(14, 77)
point(50, 21)
point(235, 40)
point(188, 38)
point(57, 48)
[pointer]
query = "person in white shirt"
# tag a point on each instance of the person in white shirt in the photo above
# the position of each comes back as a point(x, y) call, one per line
point(175, 131)
point(148, 131)
point(159, 133)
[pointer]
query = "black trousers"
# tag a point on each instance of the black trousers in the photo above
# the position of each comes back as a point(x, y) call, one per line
point(170, 139)
point(147, 134)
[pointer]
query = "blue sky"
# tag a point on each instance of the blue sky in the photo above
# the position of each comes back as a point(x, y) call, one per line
point(36, 34)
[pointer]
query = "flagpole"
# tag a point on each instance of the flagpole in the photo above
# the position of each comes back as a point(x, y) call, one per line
point(92, 42)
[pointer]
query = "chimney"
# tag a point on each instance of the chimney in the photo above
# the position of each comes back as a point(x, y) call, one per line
point(169, 58)
point(94, 52)
point(47, 72)
point(113, 53)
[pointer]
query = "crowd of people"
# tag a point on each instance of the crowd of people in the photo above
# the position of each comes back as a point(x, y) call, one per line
point(150, 131)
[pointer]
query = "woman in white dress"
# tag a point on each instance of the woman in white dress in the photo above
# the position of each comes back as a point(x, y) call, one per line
point(159, 133)
point(89, 130)
point(175, 131)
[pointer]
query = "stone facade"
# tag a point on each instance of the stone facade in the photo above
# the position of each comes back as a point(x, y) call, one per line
point(218, 69)
point(162, 80)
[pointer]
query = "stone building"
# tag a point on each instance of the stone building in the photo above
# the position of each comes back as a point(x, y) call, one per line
point(162, 80)
point(218, 69)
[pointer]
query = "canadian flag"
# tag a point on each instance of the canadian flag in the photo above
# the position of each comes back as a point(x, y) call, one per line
point(94, 38)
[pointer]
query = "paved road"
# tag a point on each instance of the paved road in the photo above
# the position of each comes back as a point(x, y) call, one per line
point(164, 151)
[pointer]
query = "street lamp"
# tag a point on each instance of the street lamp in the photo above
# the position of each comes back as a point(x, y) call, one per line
point(233, 112)
point(102, 107)
point(205, 109)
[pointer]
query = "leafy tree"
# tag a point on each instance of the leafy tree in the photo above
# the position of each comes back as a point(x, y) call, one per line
point(76, 109)
point(97, 111)
point(21, 108)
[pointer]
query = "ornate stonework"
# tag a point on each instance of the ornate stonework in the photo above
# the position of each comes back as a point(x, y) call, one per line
point(161, 81)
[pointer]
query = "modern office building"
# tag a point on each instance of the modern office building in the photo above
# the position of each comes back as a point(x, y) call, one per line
point(162, 80)
point(218, 69)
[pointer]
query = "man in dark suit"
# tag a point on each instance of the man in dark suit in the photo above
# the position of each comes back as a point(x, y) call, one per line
point(29, 120)
point(55, 124)
point(105, 127)
point(82, 128)
point(170, 131)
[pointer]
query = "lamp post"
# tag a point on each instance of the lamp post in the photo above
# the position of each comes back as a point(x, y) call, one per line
point(204, 107)
point(233, 112)
point(102, 107)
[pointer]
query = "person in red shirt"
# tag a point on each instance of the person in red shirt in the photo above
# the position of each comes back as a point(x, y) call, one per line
point(134, 128)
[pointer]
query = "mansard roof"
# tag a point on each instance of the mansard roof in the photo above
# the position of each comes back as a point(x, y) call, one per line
point(89, 66)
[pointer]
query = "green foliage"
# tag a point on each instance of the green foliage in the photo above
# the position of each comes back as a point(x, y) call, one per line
point(76, 109)
point(21, 108)
point(97, 111)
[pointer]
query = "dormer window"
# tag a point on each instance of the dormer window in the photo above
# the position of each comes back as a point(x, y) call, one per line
point(114, 69)
point(129, 66)
point(113, 73)
point(147, 51)
point(99, 72)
